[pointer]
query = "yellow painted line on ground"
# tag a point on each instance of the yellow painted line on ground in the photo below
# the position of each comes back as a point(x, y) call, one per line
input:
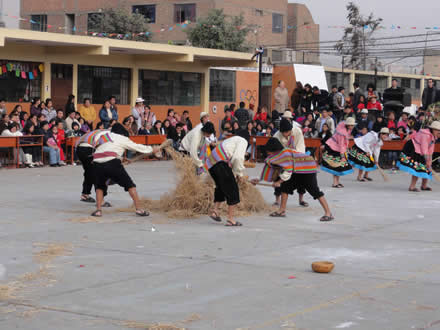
point(344, 298)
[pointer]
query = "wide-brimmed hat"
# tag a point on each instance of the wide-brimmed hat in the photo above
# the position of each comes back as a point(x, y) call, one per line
point(384, 130)
point(350, 121)
point(203, 114)
point(140, 100)
point(435, 125)
point(364, 111)
point(288, 114)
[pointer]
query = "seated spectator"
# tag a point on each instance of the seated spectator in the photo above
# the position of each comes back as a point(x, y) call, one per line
point(118, 128)
point(150, 116)
point(41, 118)
point(147, 129)
point(261, 115)
point(4, 123)
point(273, 129)
point(166, 126)
point(88, 112)
point(411, 128)
point(421, 117)
point(69, 122)
point(251, 129)
point(379, 124)
point(226, 131)
point(403, 121)
point(364, 121)
point(228, 117)
point(309, 131)
point(13, 130)
point(186, 121)
point(158, 129)
point(49, 110)
point(373, 104)
point(235, 127)
point(53, 122)
point(107, 113)
point(177, 134)
point(24, 116)
point(84, 126)
point(259, 129)
point(35, 106)
point(128, 125)
point(348, 113)
point(100, 125)
point(362, 103)
point(177, 118)
point(76, 131)
point(171, 119)
point(360, 131)
point(3, 110)
point(393, 135)
point(325, 119)
point(50, 145)
point(60, 117)
point(391, 121)
point(401, 132)
point(33, 154)
point(268, 131)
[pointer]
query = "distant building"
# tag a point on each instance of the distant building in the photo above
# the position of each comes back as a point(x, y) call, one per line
point(432, 63)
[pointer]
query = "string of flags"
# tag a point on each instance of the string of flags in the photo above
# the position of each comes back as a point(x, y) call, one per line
point(22, 70)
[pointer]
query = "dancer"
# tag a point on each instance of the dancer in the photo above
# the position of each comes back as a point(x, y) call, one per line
point(195, 139)
point(291, 170)
point(365, 153)
point(334, 159)
point(290, 136)
point(108, 165)
point(416, 156)
point(225, 164)
point(84, 150)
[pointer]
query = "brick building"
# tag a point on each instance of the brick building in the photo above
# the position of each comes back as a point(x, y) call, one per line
point(268, 20)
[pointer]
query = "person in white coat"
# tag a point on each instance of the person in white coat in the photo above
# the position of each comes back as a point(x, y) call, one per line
point(364, 155)
point(108, 166)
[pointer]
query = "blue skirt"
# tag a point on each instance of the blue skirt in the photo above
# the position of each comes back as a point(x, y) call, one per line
point(413, 163)
point(333, 163)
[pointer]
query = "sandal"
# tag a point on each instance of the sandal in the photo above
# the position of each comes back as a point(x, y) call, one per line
point(426, 189)
point(278, 214)
point(276, 204)
point(107, 204)
point(368, 179)
point(142, 213)
point(87, 199)
point(214, 216)
point(304, 204)
point(414, 190)
point(341, 185)
point(362, 180)
point(231, 224)
point(97, 213)
point(326, 218)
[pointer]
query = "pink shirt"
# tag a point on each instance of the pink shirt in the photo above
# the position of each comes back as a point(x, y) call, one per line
point(339, 141)
point(424, 142)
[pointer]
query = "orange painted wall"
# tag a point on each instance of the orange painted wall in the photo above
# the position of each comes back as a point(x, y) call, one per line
point(285, 73)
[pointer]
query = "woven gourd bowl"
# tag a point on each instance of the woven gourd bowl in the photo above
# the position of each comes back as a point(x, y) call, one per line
point(323, 266)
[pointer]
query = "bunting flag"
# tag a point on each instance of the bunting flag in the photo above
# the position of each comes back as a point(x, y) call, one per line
point(21, 69)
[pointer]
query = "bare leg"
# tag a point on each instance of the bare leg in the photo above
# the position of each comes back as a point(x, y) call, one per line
point(412, 186)
point(99, 199)
point(216, 211)
point(231, 209)
point(366, 175)
point(134, 196)
point(335, 180)
point(325, 206)
point(283, 204)
point(277, 199)
point(360, 175)
point(424, 183)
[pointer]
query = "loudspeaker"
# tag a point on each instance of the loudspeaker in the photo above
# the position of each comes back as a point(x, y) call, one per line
point(407, 99)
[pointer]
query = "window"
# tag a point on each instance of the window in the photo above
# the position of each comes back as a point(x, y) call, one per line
point(259, 12)
point(93, 20)
point(149, 12)
point(17, 84)
point(185, 12)
point(70, 24)
point(170, 88)
point(39, 23)
point(406, 83)
point(222, 86)
point(277, 23)
point(98, 83)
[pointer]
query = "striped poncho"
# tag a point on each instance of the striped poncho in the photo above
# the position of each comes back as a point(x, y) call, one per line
point(95, 138)
point(211, 157)
point(288, 161)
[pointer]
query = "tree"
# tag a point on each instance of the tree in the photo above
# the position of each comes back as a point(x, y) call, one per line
point(358, 36)
point(219, 31)
point(120, 23)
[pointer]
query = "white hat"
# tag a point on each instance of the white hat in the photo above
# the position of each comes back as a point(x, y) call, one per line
point(140, 100)
point(364, 111)
point(288, 114)
point(350, 121)
point(435, 125)
point(384, 130)
point(203, 114)
point(407, 111)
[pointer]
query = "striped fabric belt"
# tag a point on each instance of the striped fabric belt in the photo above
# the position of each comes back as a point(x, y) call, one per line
point(105, 154)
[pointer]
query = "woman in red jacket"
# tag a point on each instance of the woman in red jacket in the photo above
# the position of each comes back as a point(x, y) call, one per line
point(261, 114)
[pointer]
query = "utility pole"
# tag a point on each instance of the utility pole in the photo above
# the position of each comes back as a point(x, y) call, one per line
point(259, 56)
point(375, 73)
point(343, 67)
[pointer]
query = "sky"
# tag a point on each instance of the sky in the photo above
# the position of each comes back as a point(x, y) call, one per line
point(11, 7)
point(405, 13)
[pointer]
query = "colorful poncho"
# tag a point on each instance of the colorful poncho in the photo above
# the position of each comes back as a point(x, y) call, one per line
point(289, 161)
point(95, 138)
point(211, 157)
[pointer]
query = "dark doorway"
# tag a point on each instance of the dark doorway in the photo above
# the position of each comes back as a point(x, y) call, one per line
point(61, 83)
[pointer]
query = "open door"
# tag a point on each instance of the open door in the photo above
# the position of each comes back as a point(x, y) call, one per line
point(61, 84)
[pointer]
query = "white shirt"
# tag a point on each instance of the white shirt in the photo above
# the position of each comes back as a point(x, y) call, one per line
point(298, 139)
point(119, 145)
point(138, 116)
point(192, 142)
point(235, 149)
point(7, 132)
point(69, 123)
point(370, 143)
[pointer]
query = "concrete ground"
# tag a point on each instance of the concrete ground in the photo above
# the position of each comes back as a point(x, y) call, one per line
point(197, 274)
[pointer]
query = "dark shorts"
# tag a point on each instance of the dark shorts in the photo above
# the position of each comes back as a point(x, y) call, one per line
point(226, 187)
point(113, 170)
point(301, 182)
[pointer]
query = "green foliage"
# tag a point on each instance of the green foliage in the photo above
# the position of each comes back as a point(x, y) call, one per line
point(357, 38)
point(218, 31)
point(119, 21)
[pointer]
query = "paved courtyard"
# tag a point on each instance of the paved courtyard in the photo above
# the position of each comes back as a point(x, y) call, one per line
point(60, 271)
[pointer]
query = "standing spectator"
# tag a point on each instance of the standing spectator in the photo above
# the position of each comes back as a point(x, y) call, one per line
point(429, 94)
point(228, 118)
point(186, 121)
point(261, 115)
point(324, 135)
point(69, 122)
point(232, 107)
point(394, 93)
point(70, 105)
point(364, 121)
point(49, 111)
point(138, 112)
point(88, 112)
point(325, 119)
point(371, 91)
point(307, 96)
point(281, 97)
point(331, 97)
point(339, 103)
point(107, 113)
point(357, 96)
point(251, 111)
point(320, 98)
point(3, 110)
point(295, 100)
point(113, 106)
point(35, 106)
point(242, 115)
point(150, 116)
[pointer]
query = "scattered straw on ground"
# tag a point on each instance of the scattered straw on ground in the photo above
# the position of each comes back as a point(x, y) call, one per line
point(52, 251)
point(142, 325)
point(84, 220)
point(193, 195)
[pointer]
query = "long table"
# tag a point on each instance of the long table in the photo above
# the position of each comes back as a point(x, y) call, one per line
point(17, 142)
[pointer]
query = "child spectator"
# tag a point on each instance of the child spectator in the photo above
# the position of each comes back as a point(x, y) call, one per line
point(50, 145)
point(170, 118)
point(100, 125)
point(373, 104)
point(379, 124)
point(401, 132)
point(391, 157)
point(309, 130)
point(261, 115)
point(60, 139)
point(391, 122)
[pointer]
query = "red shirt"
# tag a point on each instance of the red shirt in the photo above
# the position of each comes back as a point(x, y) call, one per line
point(375, 106)
point(261, 116)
